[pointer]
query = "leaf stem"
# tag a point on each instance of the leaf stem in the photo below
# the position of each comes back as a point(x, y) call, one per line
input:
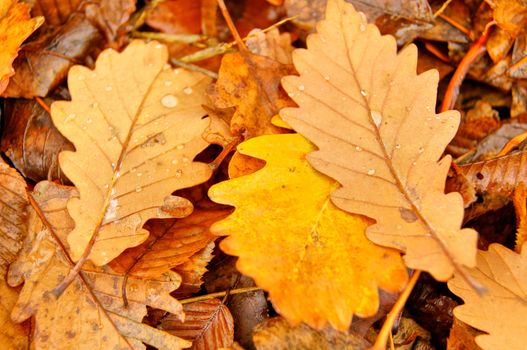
point(220, 294)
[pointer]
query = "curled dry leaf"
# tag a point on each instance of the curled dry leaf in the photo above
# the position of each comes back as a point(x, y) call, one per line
point(13, 229)
point(192, 271)
point(171, 243)
point(90, 313)
point(136, 125)
point(271, 44)
point(372, 118)
point(307, 252)
point(15, 26)
point(501, 311)
point(208, 325)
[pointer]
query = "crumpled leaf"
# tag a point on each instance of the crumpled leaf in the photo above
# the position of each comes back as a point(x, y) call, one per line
point(208, 325)
point(171, 243)
point(500, 311)
point(520, 208)
point(271, 44)
point(90, 313)
point(192, 271)
point(296, 244)
point(15, 26)
point(372, 118)
point(277, 334)
point(13, 229)
point(136, 125)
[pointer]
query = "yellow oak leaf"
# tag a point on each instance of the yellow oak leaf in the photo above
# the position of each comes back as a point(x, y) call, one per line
point(15, 26)
point(501, 310)
point(372, 118)
point(136, 125)
point(90, 313)
point(311, 257)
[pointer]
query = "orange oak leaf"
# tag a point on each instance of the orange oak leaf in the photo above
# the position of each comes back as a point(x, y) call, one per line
point(90, 313)
point(208, 324)
point(136, 125)
point(372, 118)
point(311, 257)
point(13, 229)
point(15, 26)
point(171, 243)
point(500, 311)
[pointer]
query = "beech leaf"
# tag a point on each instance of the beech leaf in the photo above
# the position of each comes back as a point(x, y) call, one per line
point(90, 313)
point(501, 311)
point(15, 26)
point(311, 257)
point(372, 118)
point(136, 125)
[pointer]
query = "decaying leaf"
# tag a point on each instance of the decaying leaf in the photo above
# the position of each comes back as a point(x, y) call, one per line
point(15, 26)
point(136, 125)
point(13, 229)
point(271, 44)
point(520, 207)
point(171, 243)
point(208, 324)
point(192, 271)
point(500, 311)
point(296, 244)
point(372, 118)
point(90, 313)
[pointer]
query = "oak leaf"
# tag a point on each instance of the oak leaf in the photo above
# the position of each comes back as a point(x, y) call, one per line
point(192, 271)
point(500, 311)
point(136, 125)
point(296, 244)
point(90, 313)
point(372, 118)
point(208, 324)
point(15, 26)
point(13, 229)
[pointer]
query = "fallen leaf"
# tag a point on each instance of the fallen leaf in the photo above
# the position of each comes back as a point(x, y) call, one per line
point(277, 334)
point(16, 25)
point(136, 125)
point(374, 123)
point(461, 337)
point(31, 141)
point(208, 325)
point(170, 243)
point(13, 229)
point(271, 44)
point(500, 311)
point(511, 15)
point(520, 207)
point(192, 271)
point(307, 252)
point(90, 313)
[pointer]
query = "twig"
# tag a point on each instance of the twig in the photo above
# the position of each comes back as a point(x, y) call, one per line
point(442, 8)
point(456, 25)
point(215, 164)
point(475, 52)
point(232, 27)
point(171, 38)
point(513, 143)
point(43, 104)
point(220, 294)
point(195, 68)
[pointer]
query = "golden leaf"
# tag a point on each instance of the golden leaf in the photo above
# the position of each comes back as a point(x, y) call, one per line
point(15, 26)
point(136, 125)
point(90, 313)
point(13, 229)
point(312, 257)
point(501, 310)
point(372, 118)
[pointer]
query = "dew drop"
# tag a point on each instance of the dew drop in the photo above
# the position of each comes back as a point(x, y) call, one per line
point(139, 174)
point(301, 87)
point(414, 163)
point(398, 227)
point(169, 101)
point(428, 108)
point(428, 118)
point(179, 172)
point(84, 127)
point(377, 118)
point(290, 94)
point(133, 170)
point(113, 165)
point(81, 77)
point(371, 171)
point(168, 82)
point(326, 77)
point(186, 160)
point(180, 146)
point(397, 146)
point(421, 150)
point(362, 27)
point(106, 186)
point(138, 189)
point(167, 170)
point(70, 117)
point(108, 88)
point(94, 105)
point(364, 93)
point(89, 121)
point(188, 90)
point(174, 161)
point(159, 46)
point(358, 148)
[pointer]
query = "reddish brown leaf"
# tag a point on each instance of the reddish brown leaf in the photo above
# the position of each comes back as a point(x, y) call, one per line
point(192, 271)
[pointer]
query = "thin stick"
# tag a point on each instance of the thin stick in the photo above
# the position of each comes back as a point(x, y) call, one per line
point(475, 52)
point(456, 25)
point(43, 104)
point(215, 164)
point(442, 8)
point(220, 294)
point(436, 52)
point(513, 143)
point(386, 330)
point(232, 27)
point(170, 38)
point(194, 68)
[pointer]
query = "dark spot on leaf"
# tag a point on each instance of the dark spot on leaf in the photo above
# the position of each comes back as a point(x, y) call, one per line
point(407, 215)
point(479, 176)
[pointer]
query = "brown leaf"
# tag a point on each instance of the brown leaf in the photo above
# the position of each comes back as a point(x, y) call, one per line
point(277, 334)
point(90, 313)
point(31, 140)
point(13, 229)
point(192, 271)
point(271, 44)
point(44, 64)
point(251, 83)
point(372, 118)
point(170, 243)
point(500, 311)
point(511, 15)
point(208, 325)
point(520, 207)
point(15, 26)
point(462, 337)
point(136, 125)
